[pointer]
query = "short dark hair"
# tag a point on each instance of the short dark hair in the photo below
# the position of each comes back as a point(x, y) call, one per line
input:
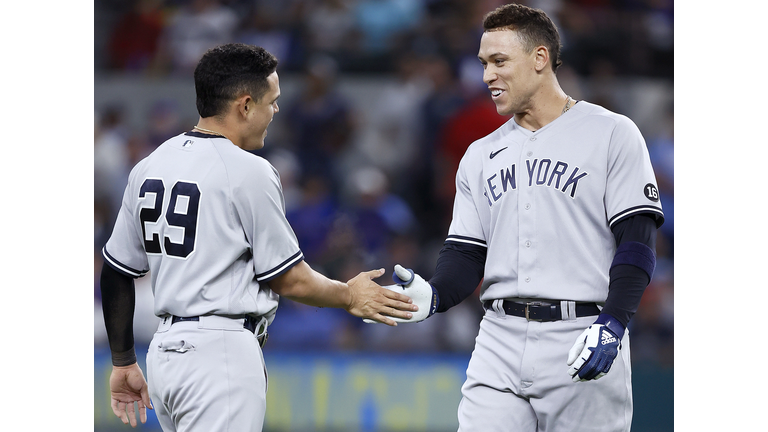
point(229, 71)
point(533, 26)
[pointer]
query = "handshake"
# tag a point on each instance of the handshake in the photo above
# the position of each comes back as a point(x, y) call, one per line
point(420, 291)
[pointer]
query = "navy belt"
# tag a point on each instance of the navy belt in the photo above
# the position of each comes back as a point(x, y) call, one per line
point(542, 311)
point(250, 324)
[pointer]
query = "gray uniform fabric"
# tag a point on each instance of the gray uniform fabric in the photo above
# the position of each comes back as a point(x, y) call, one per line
point(206, 220)
point(517, 381)
point(543, 204)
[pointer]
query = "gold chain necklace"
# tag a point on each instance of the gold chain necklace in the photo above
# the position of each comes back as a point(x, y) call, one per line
point(568, 105)
point(208, 131)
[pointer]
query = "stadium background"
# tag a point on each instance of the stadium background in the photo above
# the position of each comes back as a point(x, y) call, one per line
point(380, 99)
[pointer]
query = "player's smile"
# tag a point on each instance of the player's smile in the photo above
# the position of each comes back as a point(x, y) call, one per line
point(496, 93)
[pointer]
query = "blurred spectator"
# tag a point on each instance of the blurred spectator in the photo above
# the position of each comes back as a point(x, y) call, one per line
point(321, 122)
point(329, 26)
point(659, 27)
point(312, 220)
point(164, 122)
point(344, 250)
point(110, 156)
point(444, 100)
point(379, 21)
point(593, 32)
point(103, 220)
point(308, 328)
point(263, 28)
point(287, 165)
point(605, 86)
point(392, 141)
point(376, 213)
point(134, 40)
point(193, 29)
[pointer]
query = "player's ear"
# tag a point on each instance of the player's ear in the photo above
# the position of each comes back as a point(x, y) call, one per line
point(244, 105)
point(541, 59)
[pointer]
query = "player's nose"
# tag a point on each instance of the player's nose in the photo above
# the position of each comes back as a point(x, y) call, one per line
point(488, 76)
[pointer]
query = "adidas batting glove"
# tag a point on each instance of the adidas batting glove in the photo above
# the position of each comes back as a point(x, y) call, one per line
point(420, 291)
point(595, 350)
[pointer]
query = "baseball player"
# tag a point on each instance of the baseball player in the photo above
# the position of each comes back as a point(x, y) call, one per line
point(556, 212)
point(206, 219)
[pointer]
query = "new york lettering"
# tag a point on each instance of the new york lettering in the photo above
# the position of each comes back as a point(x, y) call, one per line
point(542, 172)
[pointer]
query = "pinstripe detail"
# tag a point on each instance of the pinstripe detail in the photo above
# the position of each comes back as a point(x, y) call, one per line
point(468, 240)
point(120, 267)
point(633, 211)
point(280, 268)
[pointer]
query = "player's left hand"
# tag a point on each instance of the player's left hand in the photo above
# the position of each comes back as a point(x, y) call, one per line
point(595, 350)
point(415, 287)
point(127, 385)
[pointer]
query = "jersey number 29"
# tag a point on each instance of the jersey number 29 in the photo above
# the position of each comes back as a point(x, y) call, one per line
point(176, 215)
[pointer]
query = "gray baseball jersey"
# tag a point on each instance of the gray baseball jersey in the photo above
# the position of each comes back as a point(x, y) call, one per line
point(207, 220)
point(543, 203)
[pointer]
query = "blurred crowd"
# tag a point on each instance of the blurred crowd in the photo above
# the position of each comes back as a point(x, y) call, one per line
point(369, 180)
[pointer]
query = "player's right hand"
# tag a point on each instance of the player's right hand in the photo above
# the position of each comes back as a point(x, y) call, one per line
point(127, 385)
point(373, 302)
point(422, 293)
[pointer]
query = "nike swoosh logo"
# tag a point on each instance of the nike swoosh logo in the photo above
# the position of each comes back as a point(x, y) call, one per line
point(493, 154)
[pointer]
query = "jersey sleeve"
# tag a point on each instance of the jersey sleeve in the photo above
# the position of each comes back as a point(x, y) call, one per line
point(631, 183)
point(124, 250)
point(261, 206)
point(466, 227)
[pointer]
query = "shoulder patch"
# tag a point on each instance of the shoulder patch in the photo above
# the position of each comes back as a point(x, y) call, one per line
point(651, 192)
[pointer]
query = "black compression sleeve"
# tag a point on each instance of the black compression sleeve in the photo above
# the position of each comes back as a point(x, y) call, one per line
point(460, 268)
point(118, 300)
point(625, 291)
point(628, 282)
point(639, 228)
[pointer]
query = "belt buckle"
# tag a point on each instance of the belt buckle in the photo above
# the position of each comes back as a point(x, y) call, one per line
point(527, 310)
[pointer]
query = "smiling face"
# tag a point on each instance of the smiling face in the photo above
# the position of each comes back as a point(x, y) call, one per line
point(509, 71)
point(261, 112)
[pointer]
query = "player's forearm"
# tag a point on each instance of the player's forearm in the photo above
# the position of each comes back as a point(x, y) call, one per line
point(625, 292)
point(459, 270)
point(632, 266)
point(118, 300)
point(304, 285)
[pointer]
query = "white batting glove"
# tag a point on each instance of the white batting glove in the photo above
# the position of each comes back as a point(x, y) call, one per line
point(420, 291)
point(594, 352)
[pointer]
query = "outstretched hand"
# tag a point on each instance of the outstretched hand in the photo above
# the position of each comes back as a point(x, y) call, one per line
point(371, 301)
point(420, 291)
point(127, 385)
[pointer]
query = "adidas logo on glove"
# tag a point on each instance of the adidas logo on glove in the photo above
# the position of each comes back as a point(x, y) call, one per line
point(607, 338)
